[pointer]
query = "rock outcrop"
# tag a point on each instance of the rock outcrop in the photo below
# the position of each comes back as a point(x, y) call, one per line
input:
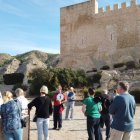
point(25, 63)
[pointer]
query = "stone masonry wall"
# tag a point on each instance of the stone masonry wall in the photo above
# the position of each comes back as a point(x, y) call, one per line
point(92, 38)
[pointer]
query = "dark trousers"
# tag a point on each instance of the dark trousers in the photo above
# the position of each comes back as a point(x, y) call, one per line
point(93, 128)
point(57, 117)
point(106, 120)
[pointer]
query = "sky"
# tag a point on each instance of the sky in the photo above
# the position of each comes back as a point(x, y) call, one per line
point(27, 25)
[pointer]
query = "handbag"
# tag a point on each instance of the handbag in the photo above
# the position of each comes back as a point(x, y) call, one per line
point(35, 115)
point(23, 122)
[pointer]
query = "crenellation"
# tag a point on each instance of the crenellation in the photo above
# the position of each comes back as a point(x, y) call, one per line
point(108, 8)
point(116, 6)
point(133, 3)
point(123, 5)
point(87, 7)
point(101, 10)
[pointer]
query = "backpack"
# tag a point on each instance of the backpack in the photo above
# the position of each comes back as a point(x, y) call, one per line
point(105, 105)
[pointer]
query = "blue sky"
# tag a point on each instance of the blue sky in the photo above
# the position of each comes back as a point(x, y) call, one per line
point(27, 25)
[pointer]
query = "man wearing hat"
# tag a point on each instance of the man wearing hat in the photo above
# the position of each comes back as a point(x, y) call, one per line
point(43, 106)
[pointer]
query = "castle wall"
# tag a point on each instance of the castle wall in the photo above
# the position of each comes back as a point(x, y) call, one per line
point(90, 39)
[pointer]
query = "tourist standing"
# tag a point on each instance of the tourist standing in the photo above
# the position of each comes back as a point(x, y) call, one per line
point(92, 111)
point(123, 110)
point(23, 101)
point(10, 114)
point(59, 98)
point(43, 106)
point(70, 104)
point(105, 116)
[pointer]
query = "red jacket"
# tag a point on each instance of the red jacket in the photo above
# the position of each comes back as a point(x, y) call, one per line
point(58, 103)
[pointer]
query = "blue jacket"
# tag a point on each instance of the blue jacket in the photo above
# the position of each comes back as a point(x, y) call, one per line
point(10, 114)
point(123, 110)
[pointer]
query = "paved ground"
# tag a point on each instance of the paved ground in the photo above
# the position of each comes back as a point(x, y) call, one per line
point(76, 129)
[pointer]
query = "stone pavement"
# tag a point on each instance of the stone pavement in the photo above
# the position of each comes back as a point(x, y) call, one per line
point(76, 129)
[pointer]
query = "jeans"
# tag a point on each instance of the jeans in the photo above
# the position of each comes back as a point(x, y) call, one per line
point(42, 128)
point(57, 117)
point(14, 134)
point(93, 128)
point(70, 106)
point(106, 119)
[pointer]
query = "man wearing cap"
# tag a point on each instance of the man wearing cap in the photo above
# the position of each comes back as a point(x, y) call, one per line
point(123, 110)
point(43, 106)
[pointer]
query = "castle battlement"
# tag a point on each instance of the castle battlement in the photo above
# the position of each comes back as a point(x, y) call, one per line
point(89, 6)
point(123, 6)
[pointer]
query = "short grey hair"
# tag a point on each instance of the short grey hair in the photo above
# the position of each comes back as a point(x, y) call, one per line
point(19, 92)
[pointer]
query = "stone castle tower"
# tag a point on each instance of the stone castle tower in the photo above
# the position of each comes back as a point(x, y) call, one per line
point(93, 38)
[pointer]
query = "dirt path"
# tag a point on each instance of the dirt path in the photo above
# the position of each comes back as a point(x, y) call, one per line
point(76, 129)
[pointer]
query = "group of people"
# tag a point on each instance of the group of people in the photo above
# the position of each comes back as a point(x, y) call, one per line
point(12, 111)
point(115, 110)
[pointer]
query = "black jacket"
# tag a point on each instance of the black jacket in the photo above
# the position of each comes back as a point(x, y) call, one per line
point(43, 106)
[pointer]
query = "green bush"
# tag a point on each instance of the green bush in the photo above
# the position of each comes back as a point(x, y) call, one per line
point(57, 76)
point(98, 92)
point(136, 94)
point(19, 85)
point(97, 77)
point(51, 94)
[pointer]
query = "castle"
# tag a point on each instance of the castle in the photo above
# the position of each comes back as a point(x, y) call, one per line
point(93, 38)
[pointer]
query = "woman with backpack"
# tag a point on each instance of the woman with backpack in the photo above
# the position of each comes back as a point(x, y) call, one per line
point(10, 114)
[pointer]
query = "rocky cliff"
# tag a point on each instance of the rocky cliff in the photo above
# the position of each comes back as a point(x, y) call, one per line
point(25, 63)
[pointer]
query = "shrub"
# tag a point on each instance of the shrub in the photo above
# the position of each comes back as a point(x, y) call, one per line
point(53, 77)
point(51, 94)
point(19, 85)
point(97, 77)
point(14, 78)
point(98, 93)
